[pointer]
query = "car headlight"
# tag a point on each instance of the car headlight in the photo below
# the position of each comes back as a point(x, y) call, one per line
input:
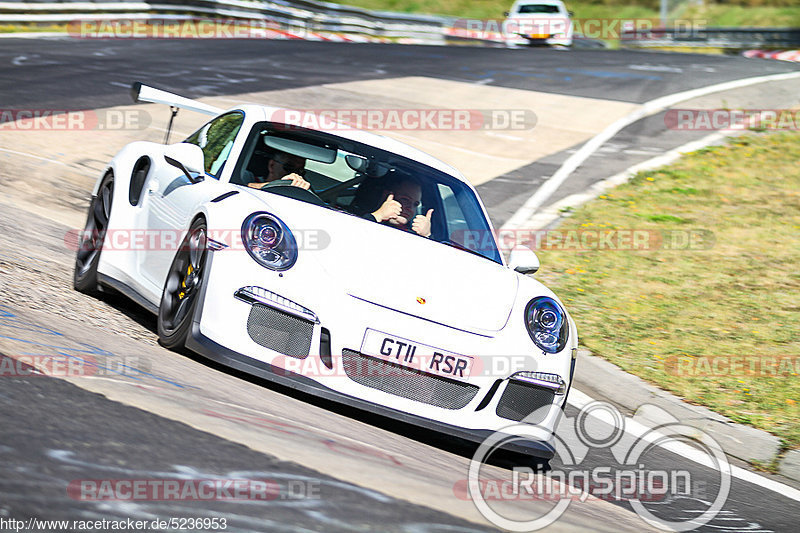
point(547, 324)
point(269, 241)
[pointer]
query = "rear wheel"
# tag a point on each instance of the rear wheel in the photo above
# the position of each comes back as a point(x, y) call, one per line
point(91, 240)
point(182, 288)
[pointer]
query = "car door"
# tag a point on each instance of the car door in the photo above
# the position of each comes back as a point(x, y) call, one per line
point(173, 198)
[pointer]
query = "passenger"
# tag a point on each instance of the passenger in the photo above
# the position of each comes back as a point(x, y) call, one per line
point(401, 201)
point(281, 166)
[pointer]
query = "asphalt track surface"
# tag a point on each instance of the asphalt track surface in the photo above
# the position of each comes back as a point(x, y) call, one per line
point(84, 74)
point(54, 431)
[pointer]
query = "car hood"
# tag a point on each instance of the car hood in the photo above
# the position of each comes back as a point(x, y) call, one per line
point(404, 272)
point(430, 280)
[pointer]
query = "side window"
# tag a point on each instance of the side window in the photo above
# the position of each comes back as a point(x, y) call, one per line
point(216, 139)
point(456, 220)
point(466, 222)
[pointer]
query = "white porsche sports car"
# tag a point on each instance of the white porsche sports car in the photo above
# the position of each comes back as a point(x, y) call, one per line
point(307, 288)
point(538, 22)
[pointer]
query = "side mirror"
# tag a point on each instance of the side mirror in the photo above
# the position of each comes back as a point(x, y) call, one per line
point(571, 13)
point(505, 13)
point(523, 260)
point(188, 158)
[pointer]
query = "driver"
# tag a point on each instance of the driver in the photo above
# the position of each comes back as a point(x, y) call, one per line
point(282, 166)
point(401, 202)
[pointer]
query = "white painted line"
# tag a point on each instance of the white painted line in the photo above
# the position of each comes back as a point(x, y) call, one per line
point(524, 213)
point(34, 35)
point(33, 156)
point(547, 216)
point(579, 400)
point(553, 212)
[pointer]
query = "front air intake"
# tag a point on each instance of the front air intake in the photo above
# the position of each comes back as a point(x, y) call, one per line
point(520, 399)
point(405, 382)
point(280, 331)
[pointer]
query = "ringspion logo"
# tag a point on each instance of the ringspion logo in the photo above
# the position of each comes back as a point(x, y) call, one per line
point(631, 472)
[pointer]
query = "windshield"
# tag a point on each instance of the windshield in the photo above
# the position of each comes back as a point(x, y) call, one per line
point(538, 8)
point(359, 180)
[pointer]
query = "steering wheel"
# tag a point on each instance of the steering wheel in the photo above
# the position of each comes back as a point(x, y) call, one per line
point(285, 188)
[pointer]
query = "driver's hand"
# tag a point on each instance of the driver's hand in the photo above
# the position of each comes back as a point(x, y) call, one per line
point(390, 210)
point(422, 224)
point(255, 184)
point(297, 180)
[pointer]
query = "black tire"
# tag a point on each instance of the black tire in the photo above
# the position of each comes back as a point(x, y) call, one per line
point(182, 288)
point(90, 245)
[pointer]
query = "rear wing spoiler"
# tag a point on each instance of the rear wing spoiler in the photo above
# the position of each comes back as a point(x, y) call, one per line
point(145, 93)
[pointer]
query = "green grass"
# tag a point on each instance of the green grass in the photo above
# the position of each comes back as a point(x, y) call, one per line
point(718, 15)
point(648, 311)
point(713, 15)
point(17, 28)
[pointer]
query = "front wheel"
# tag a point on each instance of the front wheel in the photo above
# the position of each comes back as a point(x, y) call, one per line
point(182, 288)
point(91, 240)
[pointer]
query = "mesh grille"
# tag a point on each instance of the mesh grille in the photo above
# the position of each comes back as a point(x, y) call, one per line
point(407, 383)
point(280, 331)
point(519, 400)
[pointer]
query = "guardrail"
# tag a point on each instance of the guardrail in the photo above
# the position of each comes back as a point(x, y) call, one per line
point(734, 39)
point(313, 17)
point(302, 15)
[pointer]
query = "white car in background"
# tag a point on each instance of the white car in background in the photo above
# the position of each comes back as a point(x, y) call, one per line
point(300, 287)
point(538, 22)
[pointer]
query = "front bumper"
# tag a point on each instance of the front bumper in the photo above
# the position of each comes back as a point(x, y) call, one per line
point(215, 336)
point(542, 39)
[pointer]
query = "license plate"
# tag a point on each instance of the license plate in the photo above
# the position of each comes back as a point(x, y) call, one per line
point(416, 355)
point(539, 36)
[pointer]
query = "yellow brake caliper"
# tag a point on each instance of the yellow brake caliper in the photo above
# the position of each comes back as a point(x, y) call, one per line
point(181, 294)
